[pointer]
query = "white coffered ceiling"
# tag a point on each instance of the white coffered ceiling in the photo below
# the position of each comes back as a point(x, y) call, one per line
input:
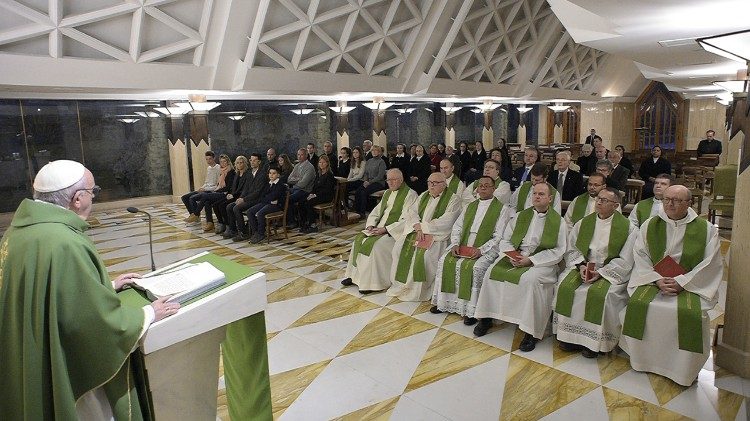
point(355, 49)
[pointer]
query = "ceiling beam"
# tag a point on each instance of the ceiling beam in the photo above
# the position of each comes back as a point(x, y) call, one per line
point(535, 58)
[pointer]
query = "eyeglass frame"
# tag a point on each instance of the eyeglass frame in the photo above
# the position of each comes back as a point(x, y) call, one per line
point(675, 200)
point(93, 191)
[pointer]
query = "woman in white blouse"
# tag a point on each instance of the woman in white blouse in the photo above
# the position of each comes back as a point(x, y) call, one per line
point(357, 170)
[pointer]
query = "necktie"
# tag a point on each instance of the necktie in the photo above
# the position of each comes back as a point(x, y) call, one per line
point(525, 174)
point(560, 181)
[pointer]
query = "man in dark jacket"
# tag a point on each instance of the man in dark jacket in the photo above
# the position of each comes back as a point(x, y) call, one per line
point(271, 201)
point(567, 181)
point(650, 168)
point(251, 194)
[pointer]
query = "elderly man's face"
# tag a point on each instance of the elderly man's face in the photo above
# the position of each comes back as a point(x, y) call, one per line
point(446, 168)
point(563, 161)
point(83, 200)
point(601, 152)
point(541, 197)
point(366, 145)
point(491, 170)
point(586, 151)
point(485, 188)
point(393, 179)
point(676, 202)
point(529, 157)
point(604, 170)
point(606, 204)
point(615, 158)
point(328, 147)
point(271, 155)
point(301, 155)
point(436, 184)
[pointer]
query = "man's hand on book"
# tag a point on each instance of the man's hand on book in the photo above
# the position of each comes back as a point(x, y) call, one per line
point(124, 279)
point(164, 308)
point(521, 262)
point(669, 286)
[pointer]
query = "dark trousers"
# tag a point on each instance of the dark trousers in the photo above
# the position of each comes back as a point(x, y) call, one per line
point(190, 204)
point(207, 201)
point(363, 195)
point(235, 216)
point(295, 197)
point(307, 212)
point(220, 208)
point(256, 216)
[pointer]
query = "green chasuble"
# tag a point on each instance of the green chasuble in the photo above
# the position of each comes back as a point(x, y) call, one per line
point(407, 257)
point(579, 207)
point(689, 313)
point(597, 293)
point(63, 329)
point(643, 210)
point(453, 185)
point(486, 230)
point(503, 270)
point(523, 194)
point(363, 244)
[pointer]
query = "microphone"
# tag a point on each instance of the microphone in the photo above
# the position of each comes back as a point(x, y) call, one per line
point(150, 239)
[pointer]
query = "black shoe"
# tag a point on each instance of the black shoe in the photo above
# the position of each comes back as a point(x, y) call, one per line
point(366, 291)
point(435, 310)
point(347, 282)
point(589, 353)
point(229, 233)
point(239, 237)
point(483, 326)
point(528, 343)
point(470, 321)
point(311, 229)
point(569, 347)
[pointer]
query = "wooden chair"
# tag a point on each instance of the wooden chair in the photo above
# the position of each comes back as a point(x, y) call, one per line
point(633, 194)
point(274, 218)
point(332, 206)
point(722, 197)
point(693, 180)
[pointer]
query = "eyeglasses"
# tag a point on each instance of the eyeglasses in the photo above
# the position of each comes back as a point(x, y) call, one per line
point(605, 200)
point(674, 200)
point(435, 183)
point(595, 185)
point(94, 191)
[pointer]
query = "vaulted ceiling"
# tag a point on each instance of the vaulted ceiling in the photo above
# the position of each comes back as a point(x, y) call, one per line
point(346, 49)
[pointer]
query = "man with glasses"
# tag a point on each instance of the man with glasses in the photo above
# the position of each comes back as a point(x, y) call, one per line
point(584, 204)
point(675, 281)
point(522, 198)
point(518, 286)
point(65, 337)
point(370, 259)
point(618, 181)
point(427, 226)
point(592, 290)
point(647, 208)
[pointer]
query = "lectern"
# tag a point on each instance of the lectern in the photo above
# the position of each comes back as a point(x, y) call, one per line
point(181, 352)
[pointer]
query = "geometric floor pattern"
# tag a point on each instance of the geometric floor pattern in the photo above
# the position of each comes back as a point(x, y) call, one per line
point(336, 354)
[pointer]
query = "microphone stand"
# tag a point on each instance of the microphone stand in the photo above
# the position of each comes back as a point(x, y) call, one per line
point(150, 237)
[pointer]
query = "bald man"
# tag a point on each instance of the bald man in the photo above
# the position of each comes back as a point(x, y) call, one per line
point(666, 323)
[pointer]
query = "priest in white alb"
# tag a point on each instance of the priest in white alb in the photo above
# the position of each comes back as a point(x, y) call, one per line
point(584, 204)
point(647, 208)
point(428, 223)
point(675, 281)
point(369, 265)
point(522, 197)
point(518, 287)
point(592, 290)
point(471, 251)
point(452, 182)
point(502, 189)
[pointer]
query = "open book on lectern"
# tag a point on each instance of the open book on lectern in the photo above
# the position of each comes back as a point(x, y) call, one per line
point(183, 282)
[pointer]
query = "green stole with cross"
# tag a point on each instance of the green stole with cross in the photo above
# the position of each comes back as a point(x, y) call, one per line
point(597, 292)
point(643, 210)
point(523, 194)
point(413, 256)
point(486, 230)
point(689, 313)
point(503, 270)
point(363, 244)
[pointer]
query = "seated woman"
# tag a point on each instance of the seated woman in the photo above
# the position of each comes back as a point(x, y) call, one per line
point(477, 163)
point(286, 167)
point(241, 165)
point(345, 163)
point(357, 170)
point(465, 155)
point(506, 174)
point(435, 157)
point(419, 170)
point(322, 192)
point(207, 199)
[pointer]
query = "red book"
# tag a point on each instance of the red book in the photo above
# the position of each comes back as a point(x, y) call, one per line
point(590, 268)
point(426, 242)
point(669, 268)
point(466, 251)
point(514, 255)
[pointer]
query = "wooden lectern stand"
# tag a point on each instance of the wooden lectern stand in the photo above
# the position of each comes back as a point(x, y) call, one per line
point(181, 352)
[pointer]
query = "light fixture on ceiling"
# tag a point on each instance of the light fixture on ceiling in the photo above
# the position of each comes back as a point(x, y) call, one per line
point(341, 107)
point(487, 105)
point(198, 106)
point(236, 117)
point(732, 85)
point(558, 107)
point(450, 108)
point(147, 114)
point(734, 45)
point(128, 120)
point(302, 111)
point(523, 109)
point(476, 110)
point(174, 111)
point(378, 106)
point(405, 110)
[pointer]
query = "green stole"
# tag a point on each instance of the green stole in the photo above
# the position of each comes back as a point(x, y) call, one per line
point(363, 244)
point(689, 313)
point(596, 294)
point(503, 269)
point(453, 185)
point(643, 210)
point(486, 230)
point(407, 257)
point(523, 194)
point(579, 209)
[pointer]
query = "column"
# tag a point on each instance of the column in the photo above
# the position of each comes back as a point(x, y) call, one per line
point(178, 162)
point(200, 142)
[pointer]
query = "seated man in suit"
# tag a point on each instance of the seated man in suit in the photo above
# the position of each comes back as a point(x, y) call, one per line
point(470, 253)
point(665, 325)
point(519, 289)
point(586, 161)
point(369, 264)
point(584, 204)
point(271, 201)
point(589, 300)
point(618, 182)
point(647, 208)
point(619, 171)
point(521, 174)
point(255, 186)
point(568, 183)
point(433, 214)
point(502, 192)
point(522, 197)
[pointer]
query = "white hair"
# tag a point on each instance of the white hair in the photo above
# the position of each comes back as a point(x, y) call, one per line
point(61, 197)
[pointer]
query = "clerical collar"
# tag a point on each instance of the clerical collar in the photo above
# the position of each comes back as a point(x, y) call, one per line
point(656, 199)
point(484, 200)
point(605, 219)
point(540, 213)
